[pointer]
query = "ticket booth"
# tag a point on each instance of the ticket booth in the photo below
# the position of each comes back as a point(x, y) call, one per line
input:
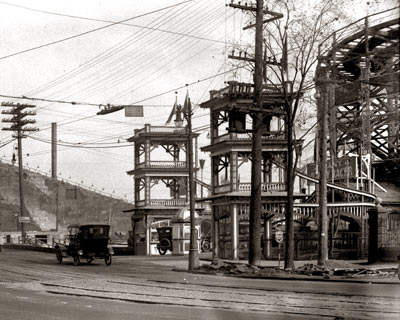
point(181, 232)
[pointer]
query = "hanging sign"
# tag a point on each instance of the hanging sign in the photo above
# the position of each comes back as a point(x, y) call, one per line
point(24, 219)
point(279, 236)
point(133, 111)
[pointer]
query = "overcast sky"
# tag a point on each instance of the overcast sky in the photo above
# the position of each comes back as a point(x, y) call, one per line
point(164, 45)
point(170, 43)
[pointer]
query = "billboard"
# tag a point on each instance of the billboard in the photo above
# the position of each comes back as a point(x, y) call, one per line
point(344, 168)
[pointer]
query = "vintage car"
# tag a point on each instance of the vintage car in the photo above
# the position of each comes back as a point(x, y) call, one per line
point(164, 239)
point(86, 241)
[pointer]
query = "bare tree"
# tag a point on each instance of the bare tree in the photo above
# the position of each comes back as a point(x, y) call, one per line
point(294, 40)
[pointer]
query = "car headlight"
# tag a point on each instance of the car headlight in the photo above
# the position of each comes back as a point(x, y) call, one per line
point(80, 252)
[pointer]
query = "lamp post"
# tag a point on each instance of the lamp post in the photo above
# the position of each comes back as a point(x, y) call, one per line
point(193, 251)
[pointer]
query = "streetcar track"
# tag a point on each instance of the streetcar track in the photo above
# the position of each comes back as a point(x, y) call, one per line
point(274, 307)
point(179, 294)
point(242, 290)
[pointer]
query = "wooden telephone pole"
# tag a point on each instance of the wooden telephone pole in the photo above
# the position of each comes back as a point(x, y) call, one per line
point(17, 125)
point(259, 65)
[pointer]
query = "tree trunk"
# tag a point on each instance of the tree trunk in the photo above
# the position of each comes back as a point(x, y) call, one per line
point(289, 234)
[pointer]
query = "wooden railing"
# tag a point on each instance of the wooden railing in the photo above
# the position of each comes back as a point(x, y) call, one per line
point(222, 188)
point(140, 203)
point(265, 187)
point(247, 136)
point(160, 129)
point(162, 164)
point(246, 187)
point(358, 210)
point(244, 90)
point(168, 203)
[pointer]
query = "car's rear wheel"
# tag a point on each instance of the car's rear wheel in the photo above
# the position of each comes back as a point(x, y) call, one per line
point(59, 256)
point(108, 259)
point(77, 260)
point(164, 245)
point(205, 246)
point(398, 271)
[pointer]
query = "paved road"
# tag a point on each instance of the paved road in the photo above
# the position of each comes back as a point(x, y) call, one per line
point(34, 286)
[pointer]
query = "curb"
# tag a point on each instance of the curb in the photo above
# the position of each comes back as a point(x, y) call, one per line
point(29, 248)
point(117, 252)
point(295, 278)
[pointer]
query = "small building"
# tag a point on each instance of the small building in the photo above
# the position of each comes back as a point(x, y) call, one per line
point(230, 150)
point(161, 180)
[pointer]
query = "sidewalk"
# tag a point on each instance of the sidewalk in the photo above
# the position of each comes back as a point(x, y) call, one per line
point(336, 270)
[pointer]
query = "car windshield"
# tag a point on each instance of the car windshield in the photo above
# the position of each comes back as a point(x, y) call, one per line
point(94, 231)
point(73, 230)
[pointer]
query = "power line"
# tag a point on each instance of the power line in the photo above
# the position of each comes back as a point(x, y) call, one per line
point(109, 52)
point(117, 76)
point(90, 31)
point(79, 145)
point(88, 87)
point(113, 22)
point(58, 101)
point(179, 52)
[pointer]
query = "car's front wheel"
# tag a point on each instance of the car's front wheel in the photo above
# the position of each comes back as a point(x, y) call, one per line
point(59, 256)
point(108, 259)
point(77, 260)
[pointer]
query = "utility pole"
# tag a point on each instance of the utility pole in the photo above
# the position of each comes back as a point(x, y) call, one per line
point(322, 159)
point(255, 200)
point(17, 125)
point(54, 150)
point(54, 163)
point(259, 65)
point(193, 250)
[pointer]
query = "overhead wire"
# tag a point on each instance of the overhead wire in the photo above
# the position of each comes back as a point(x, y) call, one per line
point(70, 122)
point(109, 21)
point(179, 51)
point(151, 97)
point(181, 63)
point(88, 32)
point(144, 65)
point(93, 61)
point(58, 101)
point(116, 49)
point(79, 145)
point(160, 94)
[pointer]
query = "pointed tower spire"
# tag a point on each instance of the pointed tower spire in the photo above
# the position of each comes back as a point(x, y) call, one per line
point(174, 108)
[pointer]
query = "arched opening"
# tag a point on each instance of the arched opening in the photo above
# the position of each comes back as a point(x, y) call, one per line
point(345, 238)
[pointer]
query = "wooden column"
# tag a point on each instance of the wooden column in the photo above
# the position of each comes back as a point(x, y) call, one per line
point(234, 232)
point(215, 233)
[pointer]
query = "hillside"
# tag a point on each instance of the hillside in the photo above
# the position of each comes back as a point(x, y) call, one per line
point(73, 203)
